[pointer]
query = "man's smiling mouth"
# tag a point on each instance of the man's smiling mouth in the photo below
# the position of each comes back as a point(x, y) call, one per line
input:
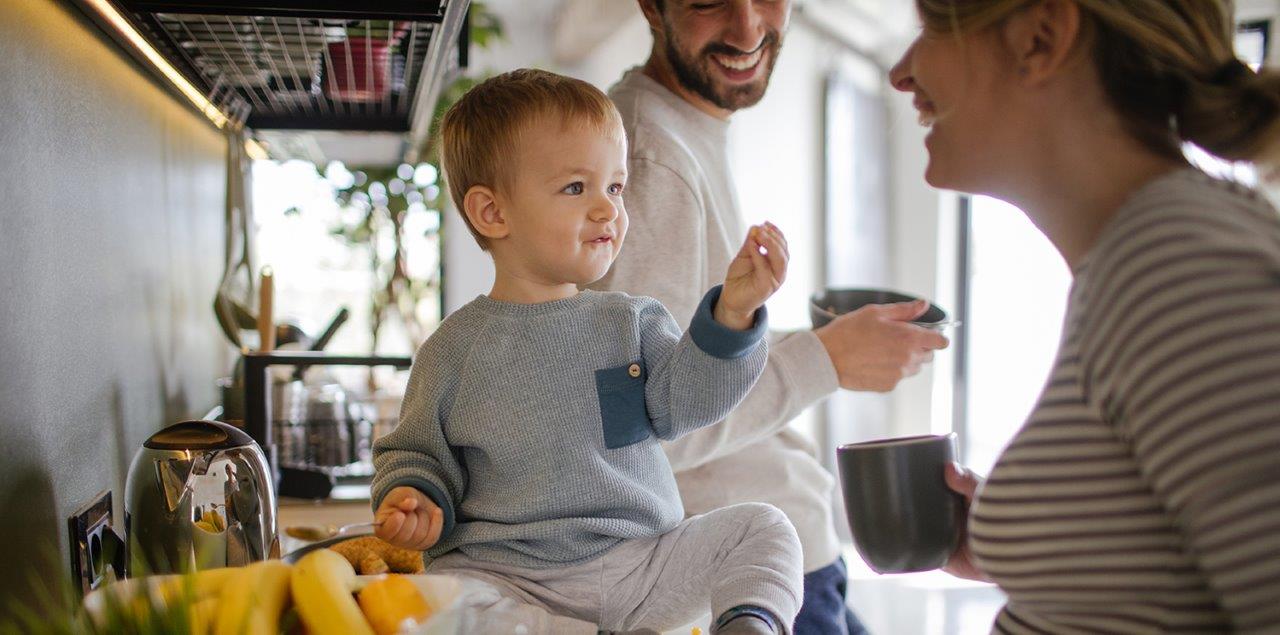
point(739, 62)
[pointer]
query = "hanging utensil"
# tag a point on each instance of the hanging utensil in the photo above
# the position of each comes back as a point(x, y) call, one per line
point(338, 320)
point(266, 297)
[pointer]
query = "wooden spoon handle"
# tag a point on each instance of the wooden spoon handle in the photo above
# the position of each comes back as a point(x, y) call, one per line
point(266, 297)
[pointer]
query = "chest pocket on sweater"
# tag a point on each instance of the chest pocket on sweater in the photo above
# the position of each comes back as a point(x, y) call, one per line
point(622, 410)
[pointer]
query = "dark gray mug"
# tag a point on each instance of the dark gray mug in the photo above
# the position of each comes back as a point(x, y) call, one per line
point(902, 515)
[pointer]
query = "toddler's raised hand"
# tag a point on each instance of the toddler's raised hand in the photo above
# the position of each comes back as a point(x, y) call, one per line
point(753, 276)
point(408, 519)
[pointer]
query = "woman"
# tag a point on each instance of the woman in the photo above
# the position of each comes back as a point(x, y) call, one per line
point(1143, 493)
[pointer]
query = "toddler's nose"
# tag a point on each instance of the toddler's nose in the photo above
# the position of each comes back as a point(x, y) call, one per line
point(604, 211)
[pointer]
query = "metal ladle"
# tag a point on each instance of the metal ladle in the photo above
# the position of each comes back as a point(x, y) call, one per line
point(314, 533)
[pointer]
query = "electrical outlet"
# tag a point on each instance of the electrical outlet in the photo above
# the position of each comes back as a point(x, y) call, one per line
point(97, 551)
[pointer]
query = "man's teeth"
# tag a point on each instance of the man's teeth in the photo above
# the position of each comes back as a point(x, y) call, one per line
point(739, 62)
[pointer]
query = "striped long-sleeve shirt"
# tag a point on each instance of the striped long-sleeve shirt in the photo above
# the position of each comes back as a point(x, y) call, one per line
point(1143, 493)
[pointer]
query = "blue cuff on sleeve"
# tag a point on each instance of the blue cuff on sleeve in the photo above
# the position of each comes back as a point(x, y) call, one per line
point(434, 493)
point(718, 340)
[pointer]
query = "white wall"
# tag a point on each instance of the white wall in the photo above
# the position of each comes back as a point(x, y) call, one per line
point(923, 235)
point(1247, 10)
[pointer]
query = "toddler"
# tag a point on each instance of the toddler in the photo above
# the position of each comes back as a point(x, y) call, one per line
point(528, 454)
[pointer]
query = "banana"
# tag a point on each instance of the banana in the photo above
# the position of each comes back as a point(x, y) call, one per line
point(252, 601)
point(216, 519)
point(201, 614)
point(193, 587)
point(391, 602)
point(212, 522)
point(322, 584)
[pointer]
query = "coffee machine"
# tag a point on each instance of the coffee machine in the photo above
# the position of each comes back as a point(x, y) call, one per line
point(199, 495)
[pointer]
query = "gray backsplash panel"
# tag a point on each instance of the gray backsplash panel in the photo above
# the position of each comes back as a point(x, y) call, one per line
point(111, 198)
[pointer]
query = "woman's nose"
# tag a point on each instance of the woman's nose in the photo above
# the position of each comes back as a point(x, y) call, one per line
point(900, 75)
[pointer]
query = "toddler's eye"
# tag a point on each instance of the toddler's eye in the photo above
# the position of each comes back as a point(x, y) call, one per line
point(574, 188)
point(615, 189)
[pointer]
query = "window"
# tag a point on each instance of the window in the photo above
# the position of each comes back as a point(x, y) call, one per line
point(1016, 293)
point(306, 235)
point(856, 217)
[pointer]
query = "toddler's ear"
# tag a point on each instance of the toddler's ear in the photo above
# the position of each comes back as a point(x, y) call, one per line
point(481, 208)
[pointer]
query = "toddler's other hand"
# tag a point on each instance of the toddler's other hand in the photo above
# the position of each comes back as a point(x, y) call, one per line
point(408, 519)
point(753, 276)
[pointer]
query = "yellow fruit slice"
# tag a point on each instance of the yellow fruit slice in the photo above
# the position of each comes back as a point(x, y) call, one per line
point(393, 603)
point(213, 520)
point(194, 587)
point(202, 615)
point(322, 584)
point(252, 601)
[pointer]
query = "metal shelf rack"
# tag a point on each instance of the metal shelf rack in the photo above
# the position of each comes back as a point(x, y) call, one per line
point(312, 64)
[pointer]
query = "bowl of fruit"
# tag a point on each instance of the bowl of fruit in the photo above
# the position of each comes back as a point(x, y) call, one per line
point(319, 594)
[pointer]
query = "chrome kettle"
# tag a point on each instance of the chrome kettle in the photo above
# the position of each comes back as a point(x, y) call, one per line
point(199, 495)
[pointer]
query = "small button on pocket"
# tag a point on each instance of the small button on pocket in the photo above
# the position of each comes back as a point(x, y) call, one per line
point(622, 408)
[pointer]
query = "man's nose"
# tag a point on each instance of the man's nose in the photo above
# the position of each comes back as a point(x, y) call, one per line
point(745, 30)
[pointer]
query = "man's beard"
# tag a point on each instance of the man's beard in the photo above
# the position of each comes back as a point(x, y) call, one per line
point(694, 74)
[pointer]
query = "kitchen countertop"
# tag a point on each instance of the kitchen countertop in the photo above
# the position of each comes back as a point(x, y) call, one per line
point(297, 511)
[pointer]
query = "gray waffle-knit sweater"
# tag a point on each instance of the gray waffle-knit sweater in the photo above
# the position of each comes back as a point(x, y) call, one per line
point(535, 427)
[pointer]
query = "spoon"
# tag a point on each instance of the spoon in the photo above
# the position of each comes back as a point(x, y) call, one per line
point(314, 533)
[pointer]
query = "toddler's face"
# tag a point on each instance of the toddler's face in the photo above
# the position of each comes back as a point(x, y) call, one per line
point(564, 211)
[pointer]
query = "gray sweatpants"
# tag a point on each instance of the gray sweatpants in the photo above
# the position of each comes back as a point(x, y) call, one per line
point(742, 554)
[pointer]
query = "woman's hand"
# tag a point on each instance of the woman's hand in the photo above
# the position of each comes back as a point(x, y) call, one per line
point(408, 519)
point(753, 276)
point(965, 483)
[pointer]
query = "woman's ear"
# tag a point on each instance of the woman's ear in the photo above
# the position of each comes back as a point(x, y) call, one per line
point(1043, 39)
point(481, 207)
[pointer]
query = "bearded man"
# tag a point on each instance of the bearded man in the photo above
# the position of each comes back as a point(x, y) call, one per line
point(709, 59)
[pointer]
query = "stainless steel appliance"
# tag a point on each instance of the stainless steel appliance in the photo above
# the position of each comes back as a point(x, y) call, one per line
point(317, 440)
point(200, 494)
point(312, 425)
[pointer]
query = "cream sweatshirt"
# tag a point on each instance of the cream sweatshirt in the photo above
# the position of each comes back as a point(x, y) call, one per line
point(685, 229)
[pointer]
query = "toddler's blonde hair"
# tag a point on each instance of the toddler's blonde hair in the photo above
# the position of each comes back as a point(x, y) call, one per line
point(481, 132)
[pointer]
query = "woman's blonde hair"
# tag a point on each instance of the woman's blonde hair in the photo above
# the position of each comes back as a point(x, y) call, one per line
point(1168, 66)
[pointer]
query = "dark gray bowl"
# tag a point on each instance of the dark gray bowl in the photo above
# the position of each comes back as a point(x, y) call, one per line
point(827, 305)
